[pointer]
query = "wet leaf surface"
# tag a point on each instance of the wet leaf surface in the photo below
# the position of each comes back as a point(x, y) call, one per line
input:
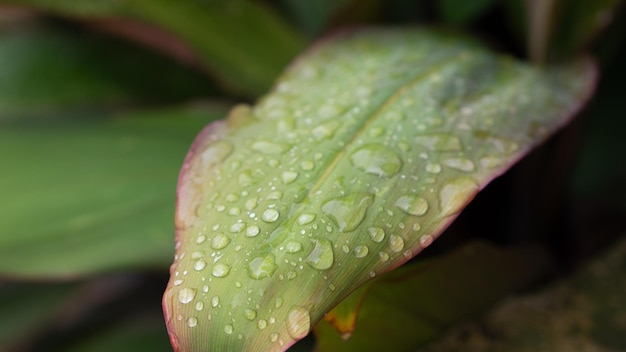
point(367, 148)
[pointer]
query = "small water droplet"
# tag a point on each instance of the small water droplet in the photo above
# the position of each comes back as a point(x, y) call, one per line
point(426, 240)
point(328, 111)
point(220, 270)
point(186, 295)
point(396, 243)
point(412, 205)
point(279, 302)
point(376, 234)
point(291, 275)
point(298, 322)
point(321, 256)
point(215, 301)
point(490, 162)
point(270, 215)
point(275, 195)
point(289, 176)
point(293, 247)
point(360, 251)
point(249, 314)
point(199, 265)
point(267, 147)
point(262, 267)
point(192, 322)
point(199, 306)
point(325, 131)
point(200, 239)
point(305, 219)
point(245, 179)
point(376, 132)
point(461, 164)
point(455, 194)
point(383, 256)
point(252, 231)
point(376, 159)
point(228, 329)
point(216, 153)
point(261, 324)
point(433, 168)
point(237, 227)
point(234, 211)
point(274, 337)
point(220, 241)
point(307, 165)
point(346, 213)
point(251, 203)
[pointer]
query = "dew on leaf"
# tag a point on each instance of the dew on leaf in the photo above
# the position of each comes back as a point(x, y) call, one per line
point(346, 213)
point(298, 322)
point(228, 329)
point(216, 153)
point(376, 159)
point(215, 301)
point(439, 142)
point(376, 234)
point(199, 265)
point(219, 241)
point(289, 176)
point(262, 267)
point(261, 324)
point(306, 218)
point(396, 243)
point(455, 194)
point(186, 295)
point(267, 147)
point(249, 314)
point(192, 322)
point(412, 205)
point(270, 215)
point(433, 168)
point(360, 251)
point(321, 256)
point(293, 247)
point(461, 164)
point(252, 231)
point(220, 270)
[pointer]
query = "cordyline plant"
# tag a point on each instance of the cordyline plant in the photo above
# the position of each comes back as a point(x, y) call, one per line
point(366, 149)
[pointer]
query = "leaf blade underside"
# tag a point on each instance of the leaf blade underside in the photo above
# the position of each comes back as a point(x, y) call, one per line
point(365, 150)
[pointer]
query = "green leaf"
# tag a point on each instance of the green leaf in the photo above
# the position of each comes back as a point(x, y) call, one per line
point(415, 303)
point(89, 194)
point(218, 32)
point(367, 148)
point(46, 70)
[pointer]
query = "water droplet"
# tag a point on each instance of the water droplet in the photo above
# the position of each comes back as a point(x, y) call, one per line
point(376, 159)
point(376, 132)
point(199, 306)
point(490, 162)
point(200, 239)
point(220, 241)
point(328, 111)
point(186, 295)
point(275, 195)
point(347, 214)
point(376, 234)
point(252, 231)
point(237, 227)
point(298, 322)
point(250, 314)
point(360, 251)
point(383, 256)
point(228, 329)
point(178, 282)
point(461, 164)
point(321, 256)
point(262, 267)
point(192, 322)
point(245, 179)
point(293, 247)
point(267, 147)
point(199, 265)
point(307, 165)
point(234, 211)
point(215, 301)
point(220, 270)
point(305, 219)
point(396, 243)
point(433, 168)
point(291, 275)
point(251, 203)
point(289, 176)
point(216, 153)
point(270, 215)
point(261, 324)
point(325, 131)
point(426, 240)
point(274, 337)
point(439, 142)
point(279, 302)
point(412, 205)
point(455, 194)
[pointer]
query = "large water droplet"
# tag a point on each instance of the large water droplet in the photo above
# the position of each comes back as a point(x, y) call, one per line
point(270, 215)
point(298, 322)
point(439, 142)
point(426, 240)
point(220, 270)
point(305, 219)
point(220, 241)
point(376, 234)
point(267, 147)
point(289, 176)
point(396, 243)
point(376, 159)
point(262, 267)
point(321, 256)
point(216, 153)
point(461, 164)
point(199, 265)
point(412, 205)
point(250, 314)
point(346, 213)
point(252, 231)
point(455, 194)
point(360, 251)
point(186, 295)
point(293, 247)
